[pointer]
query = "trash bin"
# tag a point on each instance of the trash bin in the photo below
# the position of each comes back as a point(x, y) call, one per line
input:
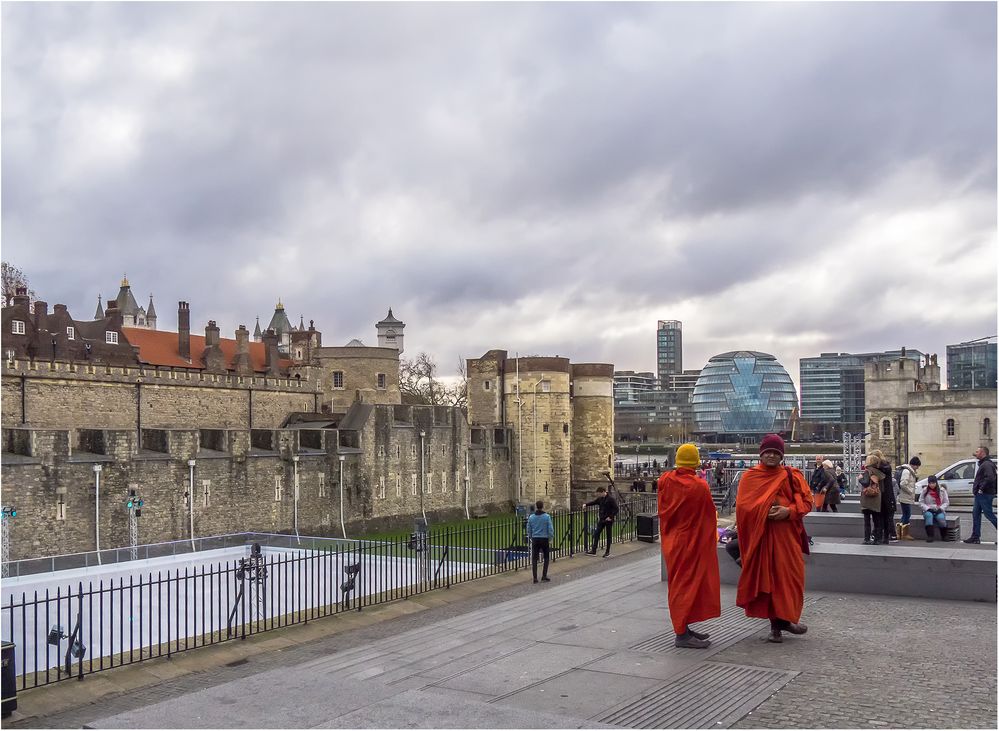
point(8, 684)
point(647, 527)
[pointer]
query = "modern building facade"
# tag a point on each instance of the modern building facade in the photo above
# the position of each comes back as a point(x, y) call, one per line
point(972, 365)
point(833, 392)
point(669, 349)
point(628, 384)
point(741, 395)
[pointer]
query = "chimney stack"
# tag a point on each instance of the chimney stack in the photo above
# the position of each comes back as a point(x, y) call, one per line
point(241, 364)
point(20, 297)
point(271, 356)
point(213, 357)
point(211, 334)
point(183, 329)
point(41, 315)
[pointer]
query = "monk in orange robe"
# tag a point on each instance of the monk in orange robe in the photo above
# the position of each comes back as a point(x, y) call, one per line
point(770, 505)
point(689, 537)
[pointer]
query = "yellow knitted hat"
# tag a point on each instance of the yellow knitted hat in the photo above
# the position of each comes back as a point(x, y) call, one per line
point(687, 456)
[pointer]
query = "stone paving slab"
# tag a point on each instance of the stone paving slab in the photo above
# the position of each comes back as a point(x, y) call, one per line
point(579, 693)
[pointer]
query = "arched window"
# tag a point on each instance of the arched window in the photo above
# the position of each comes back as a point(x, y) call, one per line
point(886, 427)
point(987, 426)
point(950, 427)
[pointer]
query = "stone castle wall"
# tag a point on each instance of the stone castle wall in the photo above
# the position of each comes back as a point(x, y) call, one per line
point(592, 424)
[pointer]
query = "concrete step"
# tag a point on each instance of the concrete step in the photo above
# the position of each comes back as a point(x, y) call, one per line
point(846, 525)
point(897, 570)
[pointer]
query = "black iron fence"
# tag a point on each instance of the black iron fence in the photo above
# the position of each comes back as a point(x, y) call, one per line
point(264, 582)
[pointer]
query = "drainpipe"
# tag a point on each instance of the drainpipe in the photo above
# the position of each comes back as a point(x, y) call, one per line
point(190, 499)
point(343, 526)
point(24, 410)
point(97, 510)
point(294, 463)
point(467, 516)
point(138, 413)
point(423, 477)
point(536, 468)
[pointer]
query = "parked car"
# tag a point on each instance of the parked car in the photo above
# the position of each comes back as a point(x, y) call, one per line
point(957, 478)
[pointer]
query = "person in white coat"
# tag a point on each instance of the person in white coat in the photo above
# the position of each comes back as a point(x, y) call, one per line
point(934, 503)
point(907, 495)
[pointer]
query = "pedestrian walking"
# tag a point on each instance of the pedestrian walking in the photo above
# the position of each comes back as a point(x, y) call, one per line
point(984, 492)
point(871, 483)
point(605, 521)
point(934, 503)
point(770, 507)
point(688, 531)
point(540, 531)
point(907, 476)
point(830, 488)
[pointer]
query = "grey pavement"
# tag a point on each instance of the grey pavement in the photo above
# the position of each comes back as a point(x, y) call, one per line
point(597, 651)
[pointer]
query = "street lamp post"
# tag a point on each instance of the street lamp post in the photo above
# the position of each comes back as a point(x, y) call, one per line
point(423, 477)
point(343, 525)
point(97, 510)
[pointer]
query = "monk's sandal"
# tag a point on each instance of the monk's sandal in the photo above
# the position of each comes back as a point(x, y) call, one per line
point(690, 641)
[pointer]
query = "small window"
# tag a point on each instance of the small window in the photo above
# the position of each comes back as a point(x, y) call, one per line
point(111, 337)
point(886, 427)
point(398, 485)
point(413, 484)
point(565, 428)
point(337, 379)
point(412, 450)
point(381, 488)
point(60, 509)
point(398, 450)
point(17, 327)
point(277, 489)
point(490, 479)
point(546, 386)
point(381, 450)
point(322, 485)
point(381, 381)
point(485, 385)
point(544, 428)
point(951, 427)
point(71, 333)
point(298, 354)
point(206, 489)
point(11, 354)
point(443, 481)
point(987, 427)
point(430, 482)
point(443, 450)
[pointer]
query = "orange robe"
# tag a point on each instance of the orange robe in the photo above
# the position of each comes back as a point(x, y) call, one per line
point(688, 532)
point(772, 583)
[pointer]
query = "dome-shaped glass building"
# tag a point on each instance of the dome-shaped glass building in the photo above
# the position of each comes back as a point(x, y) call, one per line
point(741, 395)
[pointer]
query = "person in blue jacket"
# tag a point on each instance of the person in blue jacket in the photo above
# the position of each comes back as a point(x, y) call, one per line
point(540, 531)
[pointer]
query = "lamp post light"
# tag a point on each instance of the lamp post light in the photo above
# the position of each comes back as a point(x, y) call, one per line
point(343, 525)
point(423, 477)
point(190, 498)
point(97, 510)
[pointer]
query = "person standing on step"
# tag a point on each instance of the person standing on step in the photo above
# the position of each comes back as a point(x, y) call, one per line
point(688, 531)
point(770, 507)
point(540, 532)
point(871, 483)
point(907, 495)
point(934, 503)
point(888, 502)
point(605, 520)
point(984, 491)
point(829, 487)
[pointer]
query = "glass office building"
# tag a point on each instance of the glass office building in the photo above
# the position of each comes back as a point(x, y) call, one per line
point(972, 365)
point(742, 395)
point(669, 349)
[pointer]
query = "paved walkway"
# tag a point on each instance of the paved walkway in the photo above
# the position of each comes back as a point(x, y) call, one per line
point(593, 649)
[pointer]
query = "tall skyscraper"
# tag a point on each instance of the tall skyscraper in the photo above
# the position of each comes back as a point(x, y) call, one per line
point(972, 364)
point(669, 349)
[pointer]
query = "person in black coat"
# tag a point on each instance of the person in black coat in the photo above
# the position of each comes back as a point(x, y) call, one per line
point(608, 511)
point(888, 502)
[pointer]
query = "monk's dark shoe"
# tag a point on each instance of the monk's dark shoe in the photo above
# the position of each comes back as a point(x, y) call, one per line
point(796, 628)
point(775, 636)
point(698, 635)
point(688, 640)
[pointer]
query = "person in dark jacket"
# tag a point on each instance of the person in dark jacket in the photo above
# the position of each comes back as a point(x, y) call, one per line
point(829, 487)
point(984, 490)
point(888, 501)
point(608, 511)
point(872, 484)
point(540, 531)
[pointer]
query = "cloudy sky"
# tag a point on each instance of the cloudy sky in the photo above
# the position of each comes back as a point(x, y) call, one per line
point(548, 179)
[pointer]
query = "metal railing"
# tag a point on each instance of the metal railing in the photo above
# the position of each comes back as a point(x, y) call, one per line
point(68, 629)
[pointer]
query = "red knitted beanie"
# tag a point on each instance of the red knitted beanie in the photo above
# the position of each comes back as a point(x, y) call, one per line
point(774, 442)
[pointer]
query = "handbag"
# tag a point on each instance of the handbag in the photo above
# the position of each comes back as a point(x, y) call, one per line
point(871, 490)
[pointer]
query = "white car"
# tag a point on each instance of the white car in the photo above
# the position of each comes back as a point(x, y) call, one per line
point(958, 478)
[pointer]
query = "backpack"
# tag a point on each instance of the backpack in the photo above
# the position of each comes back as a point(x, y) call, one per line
point(898, 478)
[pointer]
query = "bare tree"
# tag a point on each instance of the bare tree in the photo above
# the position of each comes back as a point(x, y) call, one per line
point(419, 384)
point(12, 279)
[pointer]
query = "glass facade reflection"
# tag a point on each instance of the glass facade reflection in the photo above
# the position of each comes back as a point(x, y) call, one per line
point(743, 394)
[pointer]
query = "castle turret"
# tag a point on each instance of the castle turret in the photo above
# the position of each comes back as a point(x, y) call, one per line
point(592, 424)
point(151, 315)
point(99, 315)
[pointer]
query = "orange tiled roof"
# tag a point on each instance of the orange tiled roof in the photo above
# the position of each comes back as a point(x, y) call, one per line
point(162, 348)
